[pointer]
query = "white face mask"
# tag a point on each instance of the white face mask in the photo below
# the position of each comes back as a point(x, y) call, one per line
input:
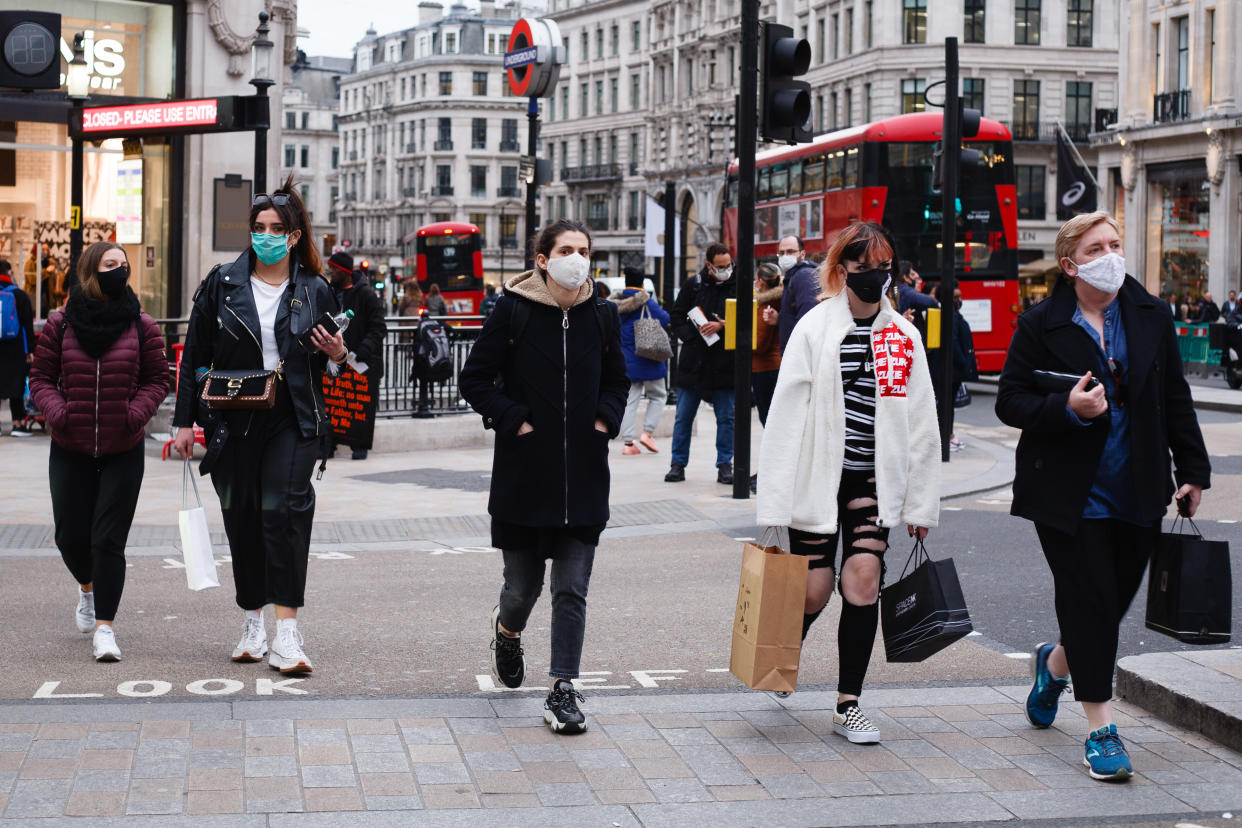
point(723, 274)
point(787, 261)
point(569, 271)
point(1106, 273)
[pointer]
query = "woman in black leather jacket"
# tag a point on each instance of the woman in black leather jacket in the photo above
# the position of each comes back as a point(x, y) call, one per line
point(249, 315)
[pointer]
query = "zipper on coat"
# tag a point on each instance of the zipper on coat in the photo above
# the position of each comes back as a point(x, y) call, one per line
point(97, 373)
point(565, 401)
point(247, 327)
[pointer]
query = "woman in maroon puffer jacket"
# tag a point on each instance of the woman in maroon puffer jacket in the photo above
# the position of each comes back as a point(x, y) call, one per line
point(99, 374)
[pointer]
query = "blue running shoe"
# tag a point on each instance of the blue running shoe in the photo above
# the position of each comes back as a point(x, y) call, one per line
point(1106, 756)
point(1041, 702)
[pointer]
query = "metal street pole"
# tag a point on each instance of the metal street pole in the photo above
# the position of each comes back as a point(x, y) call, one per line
point(532, 144)
point(950, 165)
point(262, 53)
point(744, 268)
point(75, 207)
point(668, 282)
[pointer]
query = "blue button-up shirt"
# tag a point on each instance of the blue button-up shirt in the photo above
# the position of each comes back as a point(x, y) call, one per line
point(1111, 493)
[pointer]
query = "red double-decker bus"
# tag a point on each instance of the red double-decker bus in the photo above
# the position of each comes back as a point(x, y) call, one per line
point(448, 254)
point(882, 172)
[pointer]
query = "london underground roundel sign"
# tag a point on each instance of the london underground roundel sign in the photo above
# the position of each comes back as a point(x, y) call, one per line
point(533, 63)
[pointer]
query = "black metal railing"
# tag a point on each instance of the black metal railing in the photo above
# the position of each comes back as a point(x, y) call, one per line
point(592, 172)
point(507, 192)
point(443, 144)
point(510, 145)
point(442, 191)
point(597, 222)
point(1104, 118)
point(1171, 106)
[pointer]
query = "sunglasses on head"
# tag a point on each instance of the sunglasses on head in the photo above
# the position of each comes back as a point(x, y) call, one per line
point(263, 199)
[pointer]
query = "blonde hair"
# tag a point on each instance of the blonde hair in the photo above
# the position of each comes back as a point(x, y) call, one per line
point(1072, 231)
point(858, 242)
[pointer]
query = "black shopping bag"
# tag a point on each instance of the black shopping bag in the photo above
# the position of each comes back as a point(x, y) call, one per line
point(924, 611)
point(1189, 587)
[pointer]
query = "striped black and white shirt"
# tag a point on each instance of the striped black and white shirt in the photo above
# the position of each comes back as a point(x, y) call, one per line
point(858, 380)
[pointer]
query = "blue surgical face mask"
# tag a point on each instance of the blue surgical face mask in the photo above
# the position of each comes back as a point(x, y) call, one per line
point(270, 249)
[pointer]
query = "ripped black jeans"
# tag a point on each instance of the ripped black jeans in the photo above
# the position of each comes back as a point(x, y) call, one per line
point(857, 510)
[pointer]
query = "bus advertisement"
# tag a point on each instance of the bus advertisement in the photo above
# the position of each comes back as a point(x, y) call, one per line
point(882, 172)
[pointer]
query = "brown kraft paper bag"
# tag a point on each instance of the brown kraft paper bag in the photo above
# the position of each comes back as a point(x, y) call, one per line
point(767, 625)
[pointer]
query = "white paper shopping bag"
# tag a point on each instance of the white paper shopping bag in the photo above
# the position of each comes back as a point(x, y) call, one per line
point(200, 566)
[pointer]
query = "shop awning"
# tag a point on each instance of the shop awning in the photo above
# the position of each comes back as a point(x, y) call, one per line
point(1039, 267)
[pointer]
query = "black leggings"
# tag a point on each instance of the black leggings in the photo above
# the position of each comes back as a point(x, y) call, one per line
point(1095, 574)
point(857, 628)
point(93, 503)
point(263, 478)
point(18, 407)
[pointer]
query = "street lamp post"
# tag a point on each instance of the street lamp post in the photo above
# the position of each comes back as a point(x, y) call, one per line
point(77, 81)
point(261, 80)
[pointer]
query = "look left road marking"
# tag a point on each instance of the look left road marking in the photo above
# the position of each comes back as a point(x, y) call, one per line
point(150, 688)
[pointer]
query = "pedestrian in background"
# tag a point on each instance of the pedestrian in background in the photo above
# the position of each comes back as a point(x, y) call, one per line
point(249, 315)
point(98, 376)
point(557, 348)
point(489, 301)
point(851, 449)
point(1230, 306)
point(765, 359)
point(704, 367)
point(1093, 465)
point(646, 375)
point(435, 302)
point(411, 297)
point(802, 286)
point(17, 351)
point(364, 338)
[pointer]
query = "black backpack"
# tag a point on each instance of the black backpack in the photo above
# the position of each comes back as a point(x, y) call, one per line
point(433, 360)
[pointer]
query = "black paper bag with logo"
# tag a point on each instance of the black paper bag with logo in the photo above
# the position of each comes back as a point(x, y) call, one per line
point(924, 611)
point(1189, 587)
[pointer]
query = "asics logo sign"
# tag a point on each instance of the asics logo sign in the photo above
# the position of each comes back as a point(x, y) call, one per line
point(1074, 194)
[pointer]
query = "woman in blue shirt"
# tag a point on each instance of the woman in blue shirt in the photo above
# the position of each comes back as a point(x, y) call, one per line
point(1093, 464)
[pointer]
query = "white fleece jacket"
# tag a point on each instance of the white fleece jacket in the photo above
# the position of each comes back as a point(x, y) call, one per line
point(804, 441)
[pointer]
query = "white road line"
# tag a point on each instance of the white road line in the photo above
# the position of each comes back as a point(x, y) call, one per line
point(1018, 656)
point(973, 632)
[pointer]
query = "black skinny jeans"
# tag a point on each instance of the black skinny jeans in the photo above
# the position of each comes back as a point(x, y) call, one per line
point(93, 503)
point(1095, 573)
point(857, 627)
point(571, 576)
point(263, 479)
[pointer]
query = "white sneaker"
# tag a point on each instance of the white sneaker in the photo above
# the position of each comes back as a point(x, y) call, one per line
point(85, 615)
point(105, 644)
point(253, 644)
point(854, 725)
point(287, 655)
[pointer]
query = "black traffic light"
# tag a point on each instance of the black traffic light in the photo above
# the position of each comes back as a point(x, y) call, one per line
point(785, 112)
point(29, 50)
point(968, 127)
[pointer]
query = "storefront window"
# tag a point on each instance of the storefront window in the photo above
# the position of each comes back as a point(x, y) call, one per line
point(1178, 228)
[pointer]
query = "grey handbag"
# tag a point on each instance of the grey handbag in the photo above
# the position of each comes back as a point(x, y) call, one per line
point(650, 339)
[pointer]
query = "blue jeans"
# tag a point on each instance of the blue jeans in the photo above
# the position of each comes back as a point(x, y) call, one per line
point(571, 576)
point(688, 400)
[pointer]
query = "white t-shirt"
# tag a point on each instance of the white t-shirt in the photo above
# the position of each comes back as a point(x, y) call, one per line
point(267, 300)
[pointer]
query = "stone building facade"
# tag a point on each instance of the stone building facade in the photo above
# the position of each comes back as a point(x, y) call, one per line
point(310, 141)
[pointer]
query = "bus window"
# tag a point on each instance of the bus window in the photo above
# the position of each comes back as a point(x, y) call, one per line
point(851, 167)
point(813, 176)
point(779, 186)
point(762, 189)
point(795, 178)
point(731, 197)
point(835, 173)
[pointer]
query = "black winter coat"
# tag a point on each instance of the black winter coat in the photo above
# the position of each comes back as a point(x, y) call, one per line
point(366, 331)
point(224, 332)
point(1057, 458)
point(13, 367)
point(700, 367)
point(560, 376)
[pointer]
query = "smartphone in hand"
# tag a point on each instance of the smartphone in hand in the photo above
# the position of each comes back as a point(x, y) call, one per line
point(329, 325)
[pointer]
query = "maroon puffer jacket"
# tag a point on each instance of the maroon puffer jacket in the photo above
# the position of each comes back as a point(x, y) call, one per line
point(98, 406)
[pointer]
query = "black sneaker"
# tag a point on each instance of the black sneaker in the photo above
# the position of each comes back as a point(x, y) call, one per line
point(508, 661)
point(724, 474)
point(676, 473)
point(359, 454)
point(561, 711)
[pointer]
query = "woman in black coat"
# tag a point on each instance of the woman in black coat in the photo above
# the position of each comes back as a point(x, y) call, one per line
point(1093, 463)
point(556, 348)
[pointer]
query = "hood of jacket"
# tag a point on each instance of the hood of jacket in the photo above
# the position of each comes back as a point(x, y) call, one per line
point(630, 300)
point(531, 285)
point(771, 296)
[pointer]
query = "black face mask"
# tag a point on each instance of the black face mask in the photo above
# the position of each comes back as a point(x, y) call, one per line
point(112, 282)
point(868, 285)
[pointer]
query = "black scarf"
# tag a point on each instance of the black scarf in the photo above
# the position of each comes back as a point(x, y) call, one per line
point(98, 324)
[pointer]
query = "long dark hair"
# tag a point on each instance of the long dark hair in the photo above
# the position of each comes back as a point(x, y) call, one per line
point(293, 216)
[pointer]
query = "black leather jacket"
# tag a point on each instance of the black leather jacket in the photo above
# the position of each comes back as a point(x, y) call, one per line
point(224, 332)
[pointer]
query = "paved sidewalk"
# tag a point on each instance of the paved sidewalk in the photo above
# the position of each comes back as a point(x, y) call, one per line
point(961, 754)
point(1200, 690)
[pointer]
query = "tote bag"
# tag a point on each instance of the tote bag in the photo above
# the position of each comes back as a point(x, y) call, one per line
point(924, 611)
point(200, 565)
point(650, 338)
point(1190, 587)
point(767, 623)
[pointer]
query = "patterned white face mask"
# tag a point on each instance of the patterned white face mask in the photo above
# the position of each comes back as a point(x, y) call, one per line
point(1106, 273)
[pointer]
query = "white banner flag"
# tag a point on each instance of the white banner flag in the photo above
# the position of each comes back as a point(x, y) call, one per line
point(654, 237)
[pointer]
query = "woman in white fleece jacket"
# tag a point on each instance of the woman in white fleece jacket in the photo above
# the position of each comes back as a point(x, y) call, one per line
point(851, 447)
